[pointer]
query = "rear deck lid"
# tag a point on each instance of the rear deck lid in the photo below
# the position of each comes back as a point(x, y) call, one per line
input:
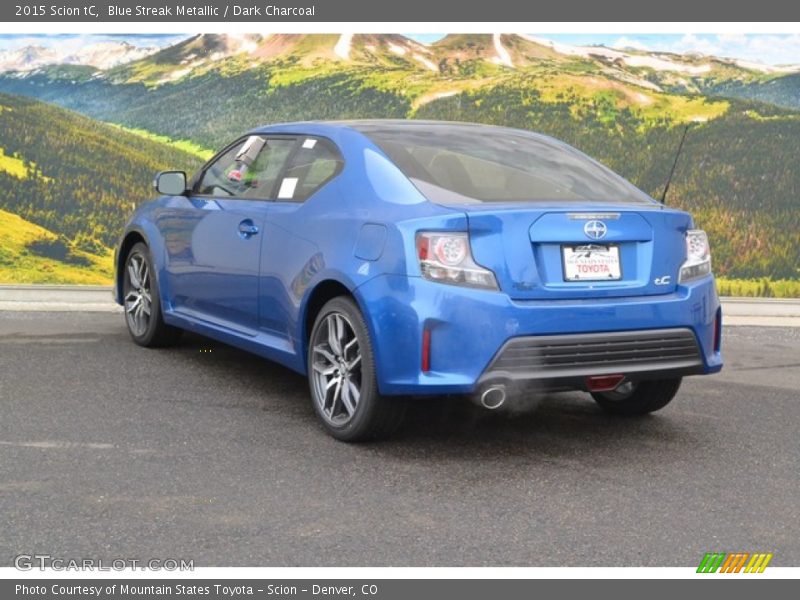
point(546, 253)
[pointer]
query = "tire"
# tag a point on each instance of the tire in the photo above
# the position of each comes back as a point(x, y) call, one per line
point(644, 397)
point(340, 350)
point(142, 302)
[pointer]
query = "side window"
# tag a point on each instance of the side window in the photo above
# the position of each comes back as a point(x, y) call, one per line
point(313, 165)
point(248, 170)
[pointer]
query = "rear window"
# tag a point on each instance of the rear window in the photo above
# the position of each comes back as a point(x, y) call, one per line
point(464, 164)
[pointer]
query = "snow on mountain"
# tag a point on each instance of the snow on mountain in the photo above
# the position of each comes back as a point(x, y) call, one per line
point(508, 50)
point(342, 47)
point(104, 55)
point(394, 48)
point(27, 58)
point(101, 55)
point(756, 66)
point(651, 60)
point(503, 57)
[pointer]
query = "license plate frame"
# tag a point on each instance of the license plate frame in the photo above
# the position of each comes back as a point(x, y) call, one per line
point(591, 262)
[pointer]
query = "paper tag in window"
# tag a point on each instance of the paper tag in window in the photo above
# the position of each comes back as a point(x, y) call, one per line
point(287, 187)
point(309, 143)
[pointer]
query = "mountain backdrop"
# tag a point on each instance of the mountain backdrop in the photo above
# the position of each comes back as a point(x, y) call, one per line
point(74, 161)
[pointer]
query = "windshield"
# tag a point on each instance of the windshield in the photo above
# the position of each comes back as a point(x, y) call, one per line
point(467, 164)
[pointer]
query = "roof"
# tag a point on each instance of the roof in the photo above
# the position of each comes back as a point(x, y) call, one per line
point(372, 125)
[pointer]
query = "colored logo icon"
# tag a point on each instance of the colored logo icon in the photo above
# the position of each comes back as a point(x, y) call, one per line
point(734, 562)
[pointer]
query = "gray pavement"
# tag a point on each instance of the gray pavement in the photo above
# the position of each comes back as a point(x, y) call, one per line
point(204, 452)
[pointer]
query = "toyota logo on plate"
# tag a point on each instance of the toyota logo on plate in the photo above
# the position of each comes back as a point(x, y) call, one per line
point(595, 229)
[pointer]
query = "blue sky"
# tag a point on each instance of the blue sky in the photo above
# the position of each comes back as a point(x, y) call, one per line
point(766, 48)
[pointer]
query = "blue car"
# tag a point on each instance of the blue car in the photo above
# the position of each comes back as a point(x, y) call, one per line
point(387, 259)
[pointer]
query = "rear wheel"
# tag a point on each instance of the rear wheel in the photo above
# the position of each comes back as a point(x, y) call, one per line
point(341, 375)
point(142, 303)
point(638, 398)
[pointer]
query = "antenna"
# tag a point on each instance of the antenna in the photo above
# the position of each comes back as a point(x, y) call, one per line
point(677, 156)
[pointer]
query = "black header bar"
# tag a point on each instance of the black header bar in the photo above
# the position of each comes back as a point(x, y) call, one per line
point(442, 11)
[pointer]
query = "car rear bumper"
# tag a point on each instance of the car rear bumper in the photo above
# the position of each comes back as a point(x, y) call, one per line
point(565, 361)
point(479, 337)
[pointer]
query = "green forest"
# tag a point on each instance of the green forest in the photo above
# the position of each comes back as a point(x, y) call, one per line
point(73, 181)
point(79, 177)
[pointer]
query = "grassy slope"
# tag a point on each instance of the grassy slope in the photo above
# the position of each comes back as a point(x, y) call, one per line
point(186, 146)
point(13, 166)
point(20, 264)
point(67, 185)
point(82, 178)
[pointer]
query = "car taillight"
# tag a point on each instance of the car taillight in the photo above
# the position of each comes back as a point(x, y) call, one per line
point(446, 257)
point(698, 256)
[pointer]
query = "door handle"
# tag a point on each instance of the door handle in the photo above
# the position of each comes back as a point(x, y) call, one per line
point(247, 228)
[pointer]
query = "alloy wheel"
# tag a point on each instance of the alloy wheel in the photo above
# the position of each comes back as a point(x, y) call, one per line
point(336, 369)
point(138, 298)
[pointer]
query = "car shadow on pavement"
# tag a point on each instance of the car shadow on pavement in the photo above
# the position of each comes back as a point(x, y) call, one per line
point(566, 417)
point(567, 422)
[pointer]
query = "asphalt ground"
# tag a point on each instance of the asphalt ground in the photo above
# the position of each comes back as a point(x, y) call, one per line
point(204, 452)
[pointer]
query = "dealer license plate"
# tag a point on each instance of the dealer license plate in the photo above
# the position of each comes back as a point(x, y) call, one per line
point(591, 262)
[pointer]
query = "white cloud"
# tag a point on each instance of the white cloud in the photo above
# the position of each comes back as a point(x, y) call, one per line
point(733, 38)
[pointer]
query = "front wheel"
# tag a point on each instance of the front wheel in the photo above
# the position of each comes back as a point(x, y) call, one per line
point(638, 398)
point(342, 378)
point(142, 303)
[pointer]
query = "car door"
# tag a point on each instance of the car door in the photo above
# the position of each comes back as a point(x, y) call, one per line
point(215, 254)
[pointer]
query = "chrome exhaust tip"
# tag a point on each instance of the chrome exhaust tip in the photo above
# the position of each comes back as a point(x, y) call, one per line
point(493, 397)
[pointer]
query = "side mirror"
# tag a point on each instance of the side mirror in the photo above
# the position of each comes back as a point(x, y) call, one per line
point(171, 183)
